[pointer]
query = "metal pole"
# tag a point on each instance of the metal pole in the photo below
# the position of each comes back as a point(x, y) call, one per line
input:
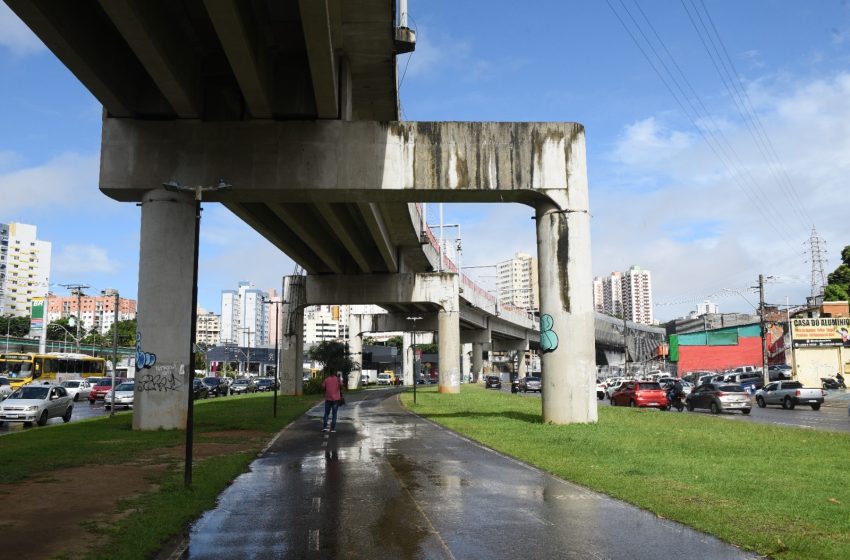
point(79, 316)
point(764, 372)
point(415, 369)
point(114, 352)
point(190, 413)
point(276, 358)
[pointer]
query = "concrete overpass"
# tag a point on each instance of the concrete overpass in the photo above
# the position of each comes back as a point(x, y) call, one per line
point(294, 102)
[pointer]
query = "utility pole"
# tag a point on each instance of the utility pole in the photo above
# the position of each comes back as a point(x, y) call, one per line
point(114, 351)
point(415, 363)
point(765, 374)
point(78, 288)
point(625, 344)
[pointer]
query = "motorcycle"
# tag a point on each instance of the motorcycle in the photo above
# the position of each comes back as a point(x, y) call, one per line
point(833, 382)
point(514, 386)
point(676, 401)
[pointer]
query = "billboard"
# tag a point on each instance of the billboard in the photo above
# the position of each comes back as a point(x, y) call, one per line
point(820, 332)
point(37, 314)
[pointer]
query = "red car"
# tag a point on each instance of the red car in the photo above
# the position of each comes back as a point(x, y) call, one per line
point(640, 393)
point(103, 386)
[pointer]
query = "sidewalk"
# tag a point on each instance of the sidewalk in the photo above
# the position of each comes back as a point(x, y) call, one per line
point(389, 484)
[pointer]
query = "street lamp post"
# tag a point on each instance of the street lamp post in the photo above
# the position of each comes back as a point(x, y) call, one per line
point(415, 361)
point(190, 422)
point(276, 357)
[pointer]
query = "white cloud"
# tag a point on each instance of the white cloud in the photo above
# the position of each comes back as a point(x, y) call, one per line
point(16, 36)
point(82, 260)
point(67, 180)
point(647, 143)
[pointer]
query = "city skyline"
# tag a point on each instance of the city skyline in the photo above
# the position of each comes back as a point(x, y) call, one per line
point(658, 194)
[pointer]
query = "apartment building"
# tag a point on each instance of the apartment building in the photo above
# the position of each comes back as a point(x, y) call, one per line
point(94, 312)
point(244, 316)
point(208, 329)
point(626, 294)
point(516, 282)
point(24, 268)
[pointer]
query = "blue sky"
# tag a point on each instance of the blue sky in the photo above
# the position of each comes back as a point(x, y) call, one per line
point(659, 195)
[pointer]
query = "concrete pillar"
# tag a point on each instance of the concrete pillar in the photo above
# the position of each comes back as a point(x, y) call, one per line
point(407, 359)
point(292, 336)
point(163, 335)
point(477, 361)
point(566, 306)
point(448, 347)
point(355, 348)
point(522, 367)
point(466, 362)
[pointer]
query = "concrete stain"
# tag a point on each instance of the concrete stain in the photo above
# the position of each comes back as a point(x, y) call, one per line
point(563, 255)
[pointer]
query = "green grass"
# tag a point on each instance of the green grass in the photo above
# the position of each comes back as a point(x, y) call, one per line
point(153, 517)
point(783, 492)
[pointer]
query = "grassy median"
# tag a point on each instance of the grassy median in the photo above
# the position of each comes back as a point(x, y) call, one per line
point(143, 523)
point(782, 492)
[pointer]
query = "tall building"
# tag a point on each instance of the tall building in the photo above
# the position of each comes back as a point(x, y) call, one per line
point(94, 312)
point(244, 316)
point(516, 282)
point(706, 308)
point(24, 268)
point(608, 294)
point(208, 328)
point(637, 295)
point(325, 322)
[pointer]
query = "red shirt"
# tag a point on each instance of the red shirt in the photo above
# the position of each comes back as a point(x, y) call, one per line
point(333, 388)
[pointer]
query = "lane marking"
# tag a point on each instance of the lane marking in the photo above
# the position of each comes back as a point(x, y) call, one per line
point(317, 505)
point(313, 540)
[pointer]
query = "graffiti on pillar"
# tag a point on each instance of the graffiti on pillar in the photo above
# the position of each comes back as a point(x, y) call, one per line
point(162, 378)
point(144, 360)
point(548, 337)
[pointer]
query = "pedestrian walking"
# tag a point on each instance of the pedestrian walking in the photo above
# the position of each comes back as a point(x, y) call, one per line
point(332, 385)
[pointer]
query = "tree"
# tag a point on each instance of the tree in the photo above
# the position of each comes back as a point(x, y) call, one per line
point(838, 282)
point(334, 357)
point(126, 333)
point(15, 326)
point(60, 329)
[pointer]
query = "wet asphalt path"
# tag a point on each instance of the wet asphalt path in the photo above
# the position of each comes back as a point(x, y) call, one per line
point(389, 484)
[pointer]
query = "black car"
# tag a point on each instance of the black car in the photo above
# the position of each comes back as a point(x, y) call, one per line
point(492, 382)
point(199, 390)
point(217, 386)
point(265, 384)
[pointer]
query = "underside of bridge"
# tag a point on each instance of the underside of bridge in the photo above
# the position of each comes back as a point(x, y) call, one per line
point(295, 103)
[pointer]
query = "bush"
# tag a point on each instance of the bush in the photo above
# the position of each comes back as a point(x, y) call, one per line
point(313, 387)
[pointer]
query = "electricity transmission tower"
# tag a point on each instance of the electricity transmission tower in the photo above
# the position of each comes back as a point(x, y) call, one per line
point(817, 256)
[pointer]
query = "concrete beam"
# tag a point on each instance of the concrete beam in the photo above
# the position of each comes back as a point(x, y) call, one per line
point(346, 162)
point(438, 288)
point(163, 50)
point(311, 233)
point(315, 20)
point(396, 322)
point(378, 229)
point(249, 60)
point(337, 219)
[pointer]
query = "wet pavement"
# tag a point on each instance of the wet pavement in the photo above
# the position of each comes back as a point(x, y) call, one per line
point(389, 484)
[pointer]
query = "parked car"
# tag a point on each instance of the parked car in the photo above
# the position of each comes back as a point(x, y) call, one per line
point(600, 389)
point(243, 385)
point(102, 386)
point(124, 394)
point(789, 394)
point(77, 388)
point(614, 386)
point(779, 372)
point(5, 388)
point(265, 384)
point(530, 383)
point(640, 394)
point(217, 386)
point(199, 390)
point(37, 403)
point(492, 382)
point(384, 379)
point(719, 397)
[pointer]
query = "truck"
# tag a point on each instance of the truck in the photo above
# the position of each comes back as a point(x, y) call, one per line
point(368, 377)
point(789, 394)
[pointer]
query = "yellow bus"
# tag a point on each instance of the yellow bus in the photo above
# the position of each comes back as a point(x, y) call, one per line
point(22, 368)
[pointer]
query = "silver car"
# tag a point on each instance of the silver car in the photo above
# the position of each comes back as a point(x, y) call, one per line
point(123, 395)
point(77, 388)
point(529, 383)
point(37, 403)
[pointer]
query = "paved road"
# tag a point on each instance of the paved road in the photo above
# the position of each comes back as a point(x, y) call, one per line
point(82, 410)
point(389, 484)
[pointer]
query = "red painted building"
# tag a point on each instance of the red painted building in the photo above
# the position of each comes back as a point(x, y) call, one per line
point(716, 349)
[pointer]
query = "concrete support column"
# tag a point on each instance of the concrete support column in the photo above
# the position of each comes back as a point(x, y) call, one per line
point(292, 337)
point(355, 348)
point(566, 306)
point(448, 347)
point(163, 335)
point(522, 367)
point(477, 361)
point(407, 358)
point(466, 362)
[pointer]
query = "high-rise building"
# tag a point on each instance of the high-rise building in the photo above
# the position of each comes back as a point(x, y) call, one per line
point(208, 328)
point(244, 316)
point(94, 312)
point(627, 294)
point(516, 282)
point(608, 294)
point(706, 308)
point(24, 268)
point(637, 295)
point(325, 322)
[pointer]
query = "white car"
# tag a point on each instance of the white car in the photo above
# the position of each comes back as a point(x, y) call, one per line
point(123, 395)
point(600, 390)
point(384, 379)
point(37, 403)
point(77, 388)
